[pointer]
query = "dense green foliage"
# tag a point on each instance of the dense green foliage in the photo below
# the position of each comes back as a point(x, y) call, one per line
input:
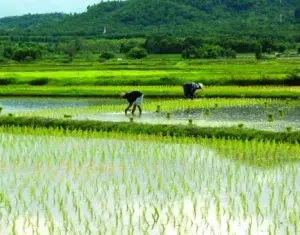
point(137, 53)
point(162, 130)
point(254, 18)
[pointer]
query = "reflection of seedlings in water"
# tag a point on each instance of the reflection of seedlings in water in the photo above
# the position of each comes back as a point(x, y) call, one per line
point(270, 117)
point(190, 121)
point(168, 115)
point(206, 112)
point(67, 116)
point(131, 119)
point(241, 125)
point(289, 129)
point(158, 109)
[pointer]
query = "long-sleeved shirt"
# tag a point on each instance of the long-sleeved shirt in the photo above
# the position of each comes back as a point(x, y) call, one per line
point(132, 96)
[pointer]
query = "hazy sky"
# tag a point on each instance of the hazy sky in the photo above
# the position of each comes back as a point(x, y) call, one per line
point(21, 7)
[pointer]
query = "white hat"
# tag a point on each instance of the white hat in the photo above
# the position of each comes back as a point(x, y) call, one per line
point(201, 85)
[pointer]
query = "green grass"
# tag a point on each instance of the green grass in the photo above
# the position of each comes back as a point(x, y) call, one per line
point(151, 91)
point(155, 70)
point(162, 130)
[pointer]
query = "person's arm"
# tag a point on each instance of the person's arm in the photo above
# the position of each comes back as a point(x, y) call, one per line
point(126, 110)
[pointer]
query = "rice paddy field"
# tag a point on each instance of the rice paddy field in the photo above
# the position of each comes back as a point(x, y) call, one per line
point(262, 114)
point(58, 182)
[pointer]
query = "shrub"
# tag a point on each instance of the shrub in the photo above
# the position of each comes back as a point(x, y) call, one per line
point(229, 53)
point(292, 79)
point(298, 50)
point(22, 53)
point(210, 51)
point(137, 53)
point(107, 56)
point(127, 46)
point(281, 48)
point(189, 53)
point(39, 82)
point(258, 51)
point(7, 81)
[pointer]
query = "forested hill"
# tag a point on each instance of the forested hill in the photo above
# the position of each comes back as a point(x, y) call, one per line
point(29, 20)
point(176, 17)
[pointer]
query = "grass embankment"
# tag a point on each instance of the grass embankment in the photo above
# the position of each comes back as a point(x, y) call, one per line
point(152, 91)
point(164, 130)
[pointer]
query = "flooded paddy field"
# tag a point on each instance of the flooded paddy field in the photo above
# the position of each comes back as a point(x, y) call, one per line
point(263, 114)
point(78, 182)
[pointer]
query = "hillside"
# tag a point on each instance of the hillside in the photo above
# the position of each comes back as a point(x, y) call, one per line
point(29, 20)
point(177, 17)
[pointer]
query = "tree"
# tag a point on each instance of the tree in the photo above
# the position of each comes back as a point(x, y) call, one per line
point(127, 46)
point(137, 53)
point(70, 50)
point(229, 53)
point(281, 48)
point(7, 52)
point(210, 51)
point(26, 54)
point(190, 53)
point(297, 13)
point(107, 55)
point(258, 51)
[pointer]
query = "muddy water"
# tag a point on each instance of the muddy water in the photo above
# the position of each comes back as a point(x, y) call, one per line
point(14, 104)
point(251, 116)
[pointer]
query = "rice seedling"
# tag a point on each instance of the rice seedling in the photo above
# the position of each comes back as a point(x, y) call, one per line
point(270, 117)
point(110, 182)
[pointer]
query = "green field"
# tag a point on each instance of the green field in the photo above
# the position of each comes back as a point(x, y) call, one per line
point(72, 162)
point(163, 70)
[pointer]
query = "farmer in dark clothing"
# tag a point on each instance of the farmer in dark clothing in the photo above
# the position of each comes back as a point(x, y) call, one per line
point(134, 98)
point(190, 88)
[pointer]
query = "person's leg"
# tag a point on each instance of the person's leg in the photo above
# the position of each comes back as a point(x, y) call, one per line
point(133, 109)
point(140, 109)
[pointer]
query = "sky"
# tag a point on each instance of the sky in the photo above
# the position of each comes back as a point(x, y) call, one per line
point(21, 7)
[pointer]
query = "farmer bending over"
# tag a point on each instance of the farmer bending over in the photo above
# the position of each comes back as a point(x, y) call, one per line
point(134, 98)
point(190, 88)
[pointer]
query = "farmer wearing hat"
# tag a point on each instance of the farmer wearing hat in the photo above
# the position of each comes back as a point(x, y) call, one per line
point(134, 98)
point(190, 88)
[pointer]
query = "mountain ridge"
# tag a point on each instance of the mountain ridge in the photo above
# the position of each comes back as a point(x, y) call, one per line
point(179, 18)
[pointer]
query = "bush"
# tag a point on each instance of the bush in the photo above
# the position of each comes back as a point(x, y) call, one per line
point(298, 50)
point(7, 52)
point(281, 48)
point(189, 53)
point(229, 53)
point(7, 81)
point(258, 52)
point(292, 80)
point(39, 82)
point(22, 53)
point(137, 53)
point(107, 56)
point(127, 46)
point(210, 51)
